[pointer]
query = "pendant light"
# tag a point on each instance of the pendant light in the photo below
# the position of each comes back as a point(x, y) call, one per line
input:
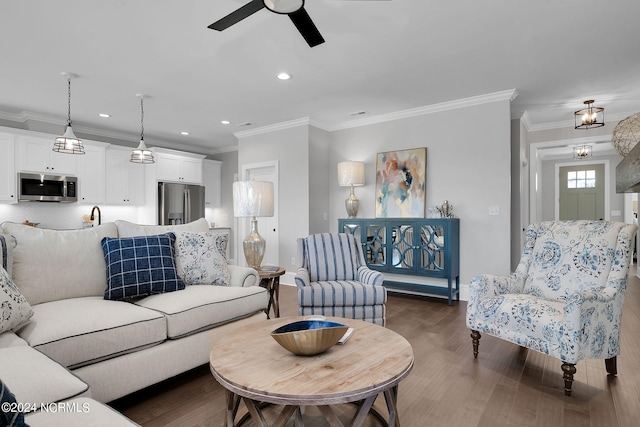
point(68, 143)
point(141, 154)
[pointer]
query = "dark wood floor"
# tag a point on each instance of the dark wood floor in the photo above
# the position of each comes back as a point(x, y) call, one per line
point(505, 386)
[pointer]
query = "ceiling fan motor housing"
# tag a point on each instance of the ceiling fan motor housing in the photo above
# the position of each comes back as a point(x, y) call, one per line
point(284, 7)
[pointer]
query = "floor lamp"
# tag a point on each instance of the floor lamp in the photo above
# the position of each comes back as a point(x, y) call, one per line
point(253, 199)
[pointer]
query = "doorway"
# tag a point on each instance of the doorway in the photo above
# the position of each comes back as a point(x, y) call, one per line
point(582, 191)
point(267, 226)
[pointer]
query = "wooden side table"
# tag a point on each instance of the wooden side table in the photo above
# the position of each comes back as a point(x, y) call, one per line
point(270, 280)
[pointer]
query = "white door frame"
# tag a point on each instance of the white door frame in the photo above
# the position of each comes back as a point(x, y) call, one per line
point(607, 195)
point(242, 224)
point(535, 166)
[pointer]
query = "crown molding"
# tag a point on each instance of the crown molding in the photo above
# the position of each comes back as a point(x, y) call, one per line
point(570, 123)
point(505, 95)
point(526, 121)
point(272, 128)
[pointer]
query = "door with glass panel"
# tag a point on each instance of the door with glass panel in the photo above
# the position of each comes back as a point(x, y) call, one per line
point(582, 192)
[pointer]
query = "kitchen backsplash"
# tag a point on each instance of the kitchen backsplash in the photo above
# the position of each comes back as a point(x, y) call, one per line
point(63, 215)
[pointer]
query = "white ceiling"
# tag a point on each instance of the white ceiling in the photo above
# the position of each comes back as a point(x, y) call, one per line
point(380, 57)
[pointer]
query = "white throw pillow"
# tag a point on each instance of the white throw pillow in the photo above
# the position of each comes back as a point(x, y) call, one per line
point(200, 258)
point(15, 311)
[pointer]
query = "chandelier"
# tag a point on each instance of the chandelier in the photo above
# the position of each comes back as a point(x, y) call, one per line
point(589, 117)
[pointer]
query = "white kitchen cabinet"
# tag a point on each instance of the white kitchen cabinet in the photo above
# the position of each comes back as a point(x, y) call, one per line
point(124, 180)
point(91, 175)
point(173, 166)
point(211, 176)
point(7, 169)
point(36, 155)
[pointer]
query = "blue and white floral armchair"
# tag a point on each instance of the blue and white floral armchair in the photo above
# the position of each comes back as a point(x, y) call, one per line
point(565, 297)
point(334, 280)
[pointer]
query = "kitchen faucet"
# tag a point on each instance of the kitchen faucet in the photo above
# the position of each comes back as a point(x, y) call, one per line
point(99, 215)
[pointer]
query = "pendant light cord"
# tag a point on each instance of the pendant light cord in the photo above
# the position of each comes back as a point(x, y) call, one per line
point(142, 118)
point(69, 101)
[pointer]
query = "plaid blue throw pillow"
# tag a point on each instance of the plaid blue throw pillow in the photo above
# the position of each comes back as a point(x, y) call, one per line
point(139, 266)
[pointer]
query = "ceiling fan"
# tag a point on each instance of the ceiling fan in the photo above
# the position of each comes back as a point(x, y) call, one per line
point(293, 8)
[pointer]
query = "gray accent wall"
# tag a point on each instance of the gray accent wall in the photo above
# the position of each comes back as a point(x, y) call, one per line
point(468, 164)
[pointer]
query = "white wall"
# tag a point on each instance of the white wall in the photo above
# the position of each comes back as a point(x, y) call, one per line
point(468, 163)
point(290, 147)
point(319, 172)
point(223, 215)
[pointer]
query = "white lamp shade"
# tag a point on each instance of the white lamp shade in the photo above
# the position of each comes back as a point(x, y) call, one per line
point(350, 173)
point(252, 198)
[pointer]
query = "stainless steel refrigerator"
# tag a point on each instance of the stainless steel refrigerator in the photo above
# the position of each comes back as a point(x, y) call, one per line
point(179, 203)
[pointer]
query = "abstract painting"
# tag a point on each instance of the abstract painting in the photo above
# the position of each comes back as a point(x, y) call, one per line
point(401, 180)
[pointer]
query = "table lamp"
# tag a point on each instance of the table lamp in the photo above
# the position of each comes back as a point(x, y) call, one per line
point(252, 199)
point(351, 174)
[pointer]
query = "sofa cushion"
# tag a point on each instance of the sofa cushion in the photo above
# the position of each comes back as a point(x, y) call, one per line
point(10, 339)
point(7, 245)
point(139, 266)
point(80, 412)
point(200, 307)
point(569, 256)
point(15, 311)
point(70, 263)
point(80, 331)
point(332, 257)
point(34, 378)
point(200, 258)
point(339, 293)
point(129, 229)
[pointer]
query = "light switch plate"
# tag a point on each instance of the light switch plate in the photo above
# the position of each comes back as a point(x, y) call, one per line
point(494, 210)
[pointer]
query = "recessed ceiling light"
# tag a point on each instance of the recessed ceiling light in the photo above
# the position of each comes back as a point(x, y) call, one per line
point(104, 115)
point(225, 122)
point(185, 133)
point(284, 76)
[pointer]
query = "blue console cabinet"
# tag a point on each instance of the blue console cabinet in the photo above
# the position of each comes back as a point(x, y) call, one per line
point(419, 247)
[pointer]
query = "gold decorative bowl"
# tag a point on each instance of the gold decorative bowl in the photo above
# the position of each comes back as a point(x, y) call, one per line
point(309, 337)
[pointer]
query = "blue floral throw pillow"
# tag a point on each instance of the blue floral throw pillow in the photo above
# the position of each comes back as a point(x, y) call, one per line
point(139, 266)
point(200, 258)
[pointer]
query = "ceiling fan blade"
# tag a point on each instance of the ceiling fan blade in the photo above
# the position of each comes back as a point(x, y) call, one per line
point(238, 15)
point(307, 28)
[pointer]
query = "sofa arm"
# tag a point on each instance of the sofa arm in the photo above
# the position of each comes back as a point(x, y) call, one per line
point(302, 278)
point(369, 276)
point(243, 276)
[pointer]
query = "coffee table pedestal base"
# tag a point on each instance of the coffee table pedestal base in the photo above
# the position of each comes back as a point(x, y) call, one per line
point(365, 407)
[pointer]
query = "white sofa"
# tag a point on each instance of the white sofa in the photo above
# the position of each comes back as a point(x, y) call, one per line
point(78, 345)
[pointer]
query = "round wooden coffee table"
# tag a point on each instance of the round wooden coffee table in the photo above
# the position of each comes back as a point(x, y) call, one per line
point(255, 369)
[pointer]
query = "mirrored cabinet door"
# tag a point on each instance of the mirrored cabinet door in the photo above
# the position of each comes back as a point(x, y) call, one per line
point(375, 245)
point(402, 247)
point(432, 248)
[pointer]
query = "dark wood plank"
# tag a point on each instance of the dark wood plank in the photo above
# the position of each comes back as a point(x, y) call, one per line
point(505, 386)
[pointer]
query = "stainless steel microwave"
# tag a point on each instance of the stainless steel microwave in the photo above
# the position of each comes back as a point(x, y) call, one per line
point(41, 187)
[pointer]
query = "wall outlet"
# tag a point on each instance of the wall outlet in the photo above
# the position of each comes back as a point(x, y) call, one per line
point(326, 217)
point(494, 210)
point(293, 260)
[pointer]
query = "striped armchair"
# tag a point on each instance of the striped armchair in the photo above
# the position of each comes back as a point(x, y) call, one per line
point(334, 279)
